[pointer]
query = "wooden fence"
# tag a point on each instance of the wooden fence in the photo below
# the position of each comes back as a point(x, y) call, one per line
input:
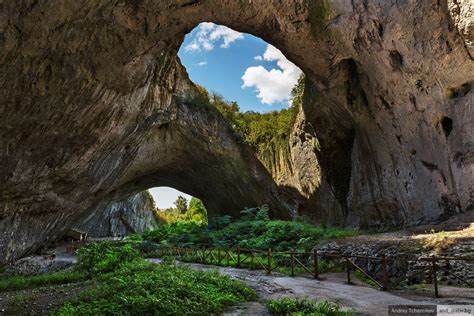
point(313, 263)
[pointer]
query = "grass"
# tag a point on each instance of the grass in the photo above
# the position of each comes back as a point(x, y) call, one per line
point(19, 282)
point(438, 241)
point(287, 306)
point(139, 287)
point(127, 284)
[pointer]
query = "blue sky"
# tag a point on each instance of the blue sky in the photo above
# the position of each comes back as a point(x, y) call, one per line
point(218, 58)
point(239, 66)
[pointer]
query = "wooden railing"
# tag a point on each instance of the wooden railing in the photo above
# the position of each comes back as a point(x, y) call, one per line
point(313, 263)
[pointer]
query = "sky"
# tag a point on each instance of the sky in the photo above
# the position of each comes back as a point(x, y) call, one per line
point(164, 196)
point(239, 66)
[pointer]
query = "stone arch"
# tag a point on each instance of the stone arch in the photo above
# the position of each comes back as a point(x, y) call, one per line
point(85, 83)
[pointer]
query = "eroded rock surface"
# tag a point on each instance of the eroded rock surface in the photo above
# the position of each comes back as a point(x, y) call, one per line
point(94, 106)
point(120, 218)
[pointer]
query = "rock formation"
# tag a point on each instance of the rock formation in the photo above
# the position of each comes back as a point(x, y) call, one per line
point(120, 218)
point(95, 106)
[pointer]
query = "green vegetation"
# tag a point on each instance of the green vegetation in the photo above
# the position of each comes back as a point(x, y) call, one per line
point(127, 284)
point(18, 282)
point(193, 212)
point(266, 133)
point(286, 306)
point(254, 230)
point(139, 287)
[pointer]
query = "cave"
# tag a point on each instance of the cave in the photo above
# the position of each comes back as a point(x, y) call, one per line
point(95, 107)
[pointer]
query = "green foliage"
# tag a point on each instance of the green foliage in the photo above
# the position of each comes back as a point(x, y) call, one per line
point(18, 282)
point(291, 306)
point(104, 257)
point(195, 212)
point(255, 213)
point(266, 133)
point(219, 222)
point(142, 288)
point(181, 204)
point(254, 230)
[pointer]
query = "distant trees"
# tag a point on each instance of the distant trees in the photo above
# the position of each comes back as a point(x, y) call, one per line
point(194, 212)
point(181, 204)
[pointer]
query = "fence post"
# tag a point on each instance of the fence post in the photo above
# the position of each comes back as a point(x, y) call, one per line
point(252, 255)
point(348, 269)
point(384, 272)
point(238, 257)
point(315, 263)
point(292, 261)
point(269, 261)
point(434, 276)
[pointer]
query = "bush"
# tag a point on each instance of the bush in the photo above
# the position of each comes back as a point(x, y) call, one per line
point(142, 288)
point(30, 281)
point(254, 230)
point(291, 306)
point(104, 257)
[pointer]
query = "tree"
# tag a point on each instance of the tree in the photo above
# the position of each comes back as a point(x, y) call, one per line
point(197, 211)
point(181, 204)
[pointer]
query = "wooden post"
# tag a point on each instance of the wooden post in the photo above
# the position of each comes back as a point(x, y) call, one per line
point(384, 272)
point(348, 269)
point(238, 257)
point(292, 262)
point(252, 255)
point(269, 261)
point(315, 263)
point(434, 276)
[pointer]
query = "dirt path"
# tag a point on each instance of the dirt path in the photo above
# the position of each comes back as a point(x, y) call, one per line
point(41, 300)
point(364, 299)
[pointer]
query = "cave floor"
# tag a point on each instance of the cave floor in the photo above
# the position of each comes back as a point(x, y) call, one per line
point(42, 300)
point(365, 300)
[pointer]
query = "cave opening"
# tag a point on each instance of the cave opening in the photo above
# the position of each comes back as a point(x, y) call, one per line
point(172, 205)
point(256, 89)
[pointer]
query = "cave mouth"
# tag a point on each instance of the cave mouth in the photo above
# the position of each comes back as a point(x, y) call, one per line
point(239, 67)
point(172, 205)
point(266, 91)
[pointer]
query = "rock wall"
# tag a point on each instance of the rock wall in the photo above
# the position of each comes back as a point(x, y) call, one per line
point(94, 106)
point(120, 218)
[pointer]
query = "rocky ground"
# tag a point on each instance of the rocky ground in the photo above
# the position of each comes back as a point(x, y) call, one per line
point(364, 299)
point(454, 237)
point(40, 301)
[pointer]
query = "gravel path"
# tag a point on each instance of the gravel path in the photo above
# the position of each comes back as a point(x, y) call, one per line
point(364, 299)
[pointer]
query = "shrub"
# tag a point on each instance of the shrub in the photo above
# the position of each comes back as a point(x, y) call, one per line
point(18, 282)
point(104, 257)
point(142, 288)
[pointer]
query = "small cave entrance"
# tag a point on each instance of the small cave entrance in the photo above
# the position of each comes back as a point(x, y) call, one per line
point(447, 125)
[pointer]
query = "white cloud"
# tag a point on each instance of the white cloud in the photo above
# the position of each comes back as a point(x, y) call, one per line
point(272, 85)
point(202, 63)
point(209, 33)
point(258, 58)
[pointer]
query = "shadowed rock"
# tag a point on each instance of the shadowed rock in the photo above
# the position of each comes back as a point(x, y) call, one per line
point(95, 106)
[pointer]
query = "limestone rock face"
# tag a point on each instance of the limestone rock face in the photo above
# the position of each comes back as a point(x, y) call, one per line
point(120, 218)
point(462, 13)
point(94, 106)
